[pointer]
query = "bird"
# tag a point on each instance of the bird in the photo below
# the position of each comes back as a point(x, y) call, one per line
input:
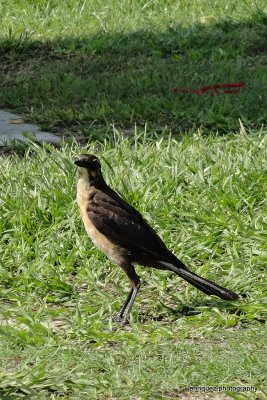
point(120, 231)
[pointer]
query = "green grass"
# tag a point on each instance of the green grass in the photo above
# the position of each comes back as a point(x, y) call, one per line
point(106, 69)
point(77, 67)
point(206, 197)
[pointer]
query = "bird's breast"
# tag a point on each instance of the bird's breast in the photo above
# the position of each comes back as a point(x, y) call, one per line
point(84, 194)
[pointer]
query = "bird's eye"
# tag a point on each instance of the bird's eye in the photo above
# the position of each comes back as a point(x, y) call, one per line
point(94, 165)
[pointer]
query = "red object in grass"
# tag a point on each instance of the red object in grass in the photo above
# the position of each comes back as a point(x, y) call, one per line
point(227, 88)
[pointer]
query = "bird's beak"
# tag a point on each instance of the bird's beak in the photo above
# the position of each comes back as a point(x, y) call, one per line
point(80, 163)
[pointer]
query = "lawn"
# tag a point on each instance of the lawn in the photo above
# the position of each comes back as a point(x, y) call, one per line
point(107, 70)
point(206, 196)
point(82, 66)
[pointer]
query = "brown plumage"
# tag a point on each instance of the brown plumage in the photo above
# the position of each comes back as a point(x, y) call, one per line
point(120, 231)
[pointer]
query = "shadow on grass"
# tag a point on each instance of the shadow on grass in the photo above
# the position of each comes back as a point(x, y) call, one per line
point(84, 85)
point(197, 307)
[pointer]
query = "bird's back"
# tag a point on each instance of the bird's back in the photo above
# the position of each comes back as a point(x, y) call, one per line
point(123, 225)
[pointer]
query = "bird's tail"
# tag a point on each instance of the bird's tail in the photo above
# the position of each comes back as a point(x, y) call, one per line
point(205, 285)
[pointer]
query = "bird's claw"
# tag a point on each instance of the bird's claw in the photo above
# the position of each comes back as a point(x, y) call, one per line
point(120, 319)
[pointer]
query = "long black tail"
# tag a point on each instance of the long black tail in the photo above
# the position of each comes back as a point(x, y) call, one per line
point(205, 285)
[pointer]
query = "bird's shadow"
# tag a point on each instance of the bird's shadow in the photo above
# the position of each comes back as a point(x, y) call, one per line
point(196, 307)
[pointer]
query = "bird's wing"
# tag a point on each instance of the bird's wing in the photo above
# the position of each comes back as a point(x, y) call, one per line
point(124, 225)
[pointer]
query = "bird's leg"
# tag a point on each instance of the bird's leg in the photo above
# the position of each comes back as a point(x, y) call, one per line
point(125, 304)
point(129, 306)
point(124, 312)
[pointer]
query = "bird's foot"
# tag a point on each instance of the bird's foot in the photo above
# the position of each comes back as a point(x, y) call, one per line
point(120, 319)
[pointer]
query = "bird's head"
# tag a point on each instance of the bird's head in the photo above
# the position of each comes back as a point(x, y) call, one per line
point(89, 167)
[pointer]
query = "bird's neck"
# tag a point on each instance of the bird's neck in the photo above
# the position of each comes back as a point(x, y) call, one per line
point(88, 179)
point(97, 181)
